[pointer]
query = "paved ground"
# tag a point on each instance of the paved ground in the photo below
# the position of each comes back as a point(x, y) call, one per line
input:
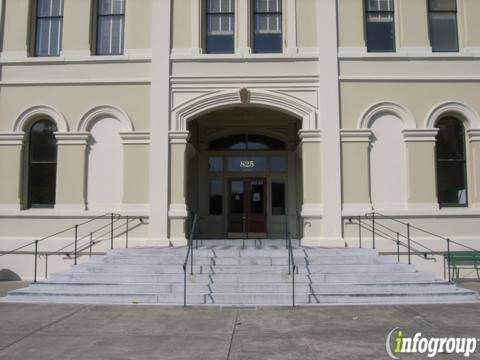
point(154, 332)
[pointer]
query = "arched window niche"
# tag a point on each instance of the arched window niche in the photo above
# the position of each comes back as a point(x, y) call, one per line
point(41, 164)
point(451, 163)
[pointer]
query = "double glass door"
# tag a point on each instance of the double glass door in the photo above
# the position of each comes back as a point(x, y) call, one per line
point(247, 207)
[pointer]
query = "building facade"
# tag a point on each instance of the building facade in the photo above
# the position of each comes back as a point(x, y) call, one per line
point(252, 113)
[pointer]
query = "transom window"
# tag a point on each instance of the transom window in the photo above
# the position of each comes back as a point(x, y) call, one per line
point(110, 24)
point(42, 164)
point(380, 25)
point(451, 163)
point(220, 25)
point(267, 20)
point(48, 28)
point(442, 18)
point(246, 142)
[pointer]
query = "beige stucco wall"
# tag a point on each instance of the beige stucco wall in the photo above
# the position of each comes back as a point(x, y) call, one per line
point(350, 23)
point(412, 23)
point(355, 175)
point(471, 11)
point(70, 175)
point(306, 23)
point(10, 160)
point(181, 24)
point(15, 31)
point(76, 34)
point(421, 172)
point(138, 24)
point(136, 175)
point(74, 101)
point(358, 96)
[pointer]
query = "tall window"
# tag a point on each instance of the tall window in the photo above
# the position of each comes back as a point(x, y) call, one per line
point(48, 27)
point(267, 21)
point(110, 23)
point(42, 164)
point(220, 22)
point(451, 163)
point(442, 16)
point(380, 25)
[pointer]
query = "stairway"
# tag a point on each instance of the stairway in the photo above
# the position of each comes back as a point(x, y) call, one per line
point(252, 276)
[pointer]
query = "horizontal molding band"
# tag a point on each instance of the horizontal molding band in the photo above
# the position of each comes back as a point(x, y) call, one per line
point(132, 81)
point(229, 79)
point(400, 78)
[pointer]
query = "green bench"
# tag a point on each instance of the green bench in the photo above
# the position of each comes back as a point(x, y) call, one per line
point(458, 260)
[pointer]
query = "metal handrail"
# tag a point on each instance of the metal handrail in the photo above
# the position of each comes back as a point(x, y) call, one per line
point(76, 241)
point(374, 215)
point(292, 265)
point(187, 256)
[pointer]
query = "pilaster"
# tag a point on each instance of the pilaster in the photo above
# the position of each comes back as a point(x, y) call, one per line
point(474, 166)
point(11, 165)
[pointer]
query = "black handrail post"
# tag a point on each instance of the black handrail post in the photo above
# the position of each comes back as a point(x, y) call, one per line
point(76, 240)
point(91, 243)
point(398, 247)
point(184, 286)
point(191, 257)
point(244, 229)
point(35, 262)
point(373, 230)
point(46, 266)
point(360, 231)
point(286, 231)
point(409, 249)
point(293, 287)
point(448, 259)
point(111, 231)
point(126, 235)
point(289, 260)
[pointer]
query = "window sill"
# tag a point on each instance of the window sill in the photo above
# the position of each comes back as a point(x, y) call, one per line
point(287, 54)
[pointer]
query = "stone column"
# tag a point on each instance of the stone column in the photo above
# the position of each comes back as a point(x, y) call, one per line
point(11, 169)
point(355, 170)
point(311, 213)
point(412, 18)
point(71, 171)
point(421, 175)
point(76, 33)
point(177, 209)
point(474, 167)
point(136, 155)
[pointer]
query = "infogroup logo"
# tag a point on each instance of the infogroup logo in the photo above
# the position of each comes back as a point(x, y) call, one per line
point(397, 343)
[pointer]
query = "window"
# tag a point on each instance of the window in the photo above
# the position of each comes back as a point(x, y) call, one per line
point(451, 163)
point(215, 164)
point(216, 197)
point(42, 164)
point(246, 142)
point(110, 22)
point(267, 22)
point(380, 25)
point(443, 25)
point(48, 27)
point(278, 197)
point(220, 25)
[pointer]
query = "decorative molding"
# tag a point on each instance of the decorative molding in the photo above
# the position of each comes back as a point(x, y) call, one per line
point(465, 112)
point(419, 135)
point(473, 135)
point(355, 135)
point(312, 211)
point(244, 94)
point(218, 99)
point(310, 136)
point(117, 81)
point(35, 112)
point(181, 53)
point(138, 54)
point(75, 53)
point(105, 110)
point(135, 137)
point(72, 138)
point(387, 108)
point(70, 207)
point(12, 138)
point(178, 136)
point(409, 78)
point(177, 211)
point(357, 207)
point(358, 53)
point(131, 56)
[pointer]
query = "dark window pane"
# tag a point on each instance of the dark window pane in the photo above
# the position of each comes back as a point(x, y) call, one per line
point(278, 198)
point(443, 31)
point(232, 142)
point(380, 33)
point(256, 197)
point(216, 197)
point(261, 142)
point(380, 5)
point(246, 142)
point(450, 140)
point(442, 5)
point(237, 193)
point(451, 163)
point(215, 164)
point(278, 163)
point(220, 26)
point(42, 164)
point(267, 19)
point(110, 24)
point(48, 32)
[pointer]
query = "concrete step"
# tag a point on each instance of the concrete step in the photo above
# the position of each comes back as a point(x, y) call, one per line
point(259, 299)
point(127, 278)
point(373, 277)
